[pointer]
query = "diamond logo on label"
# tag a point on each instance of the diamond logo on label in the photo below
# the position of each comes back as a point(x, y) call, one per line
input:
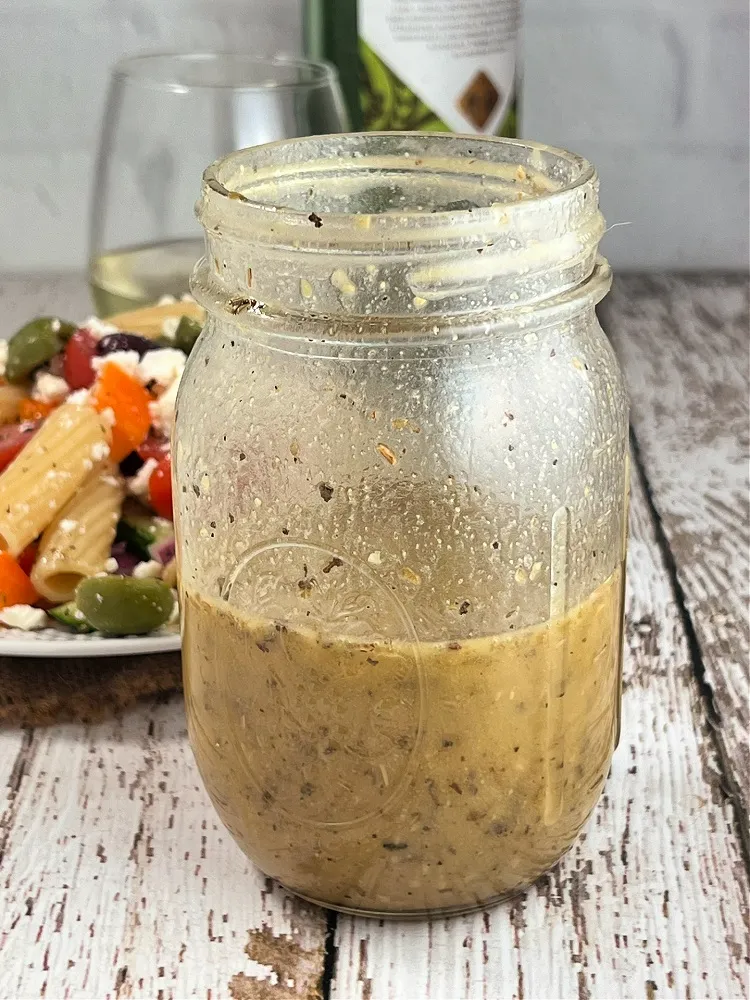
point(479, 100)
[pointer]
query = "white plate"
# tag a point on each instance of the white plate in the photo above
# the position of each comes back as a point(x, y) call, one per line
point(51, 642)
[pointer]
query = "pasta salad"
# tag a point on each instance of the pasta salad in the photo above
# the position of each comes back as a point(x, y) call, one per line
point(86, 412)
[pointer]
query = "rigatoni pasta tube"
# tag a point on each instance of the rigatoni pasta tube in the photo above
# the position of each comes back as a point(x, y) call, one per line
point(148, 321)
point(10, 397)
point(45, 475)
point(77, 543)
point(169, 573)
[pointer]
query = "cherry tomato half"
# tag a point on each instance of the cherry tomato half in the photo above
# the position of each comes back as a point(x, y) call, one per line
point(160, 488)
point(77, 368)
point(154, 447)
point(28, 557)
point(13, 437)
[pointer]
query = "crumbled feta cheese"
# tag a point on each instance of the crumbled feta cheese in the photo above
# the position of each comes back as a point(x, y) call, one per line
point(187, 297)
point(67, 524)
point(99, 451)
point(175, 612)
point(169, 327)
point(162, 366)
point(162, 409)
point(108, 416)
point(79, 398)
point(111, 565)
point(49, 388)
point(127, 360)
point(166, 300)
point(138, 484)
point(98, 328)
point(23, 616)
point(55, 325)
point(150, 570)
point(3, 356)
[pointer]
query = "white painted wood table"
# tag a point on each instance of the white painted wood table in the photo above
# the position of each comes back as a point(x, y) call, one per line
point(117, 880)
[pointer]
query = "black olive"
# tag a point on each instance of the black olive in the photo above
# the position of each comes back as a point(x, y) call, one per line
point(131, 464)
point(126, 342)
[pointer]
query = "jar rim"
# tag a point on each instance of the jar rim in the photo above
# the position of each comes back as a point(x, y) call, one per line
point(233, 177)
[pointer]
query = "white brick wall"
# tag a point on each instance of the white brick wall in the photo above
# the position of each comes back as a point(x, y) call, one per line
point(55, 57)
point(654, 91)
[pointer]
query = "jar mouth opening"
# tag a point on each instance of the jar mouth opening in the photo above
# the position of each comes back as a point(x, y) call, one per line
point(185, 72)
point(399, 223)
point(367, 188)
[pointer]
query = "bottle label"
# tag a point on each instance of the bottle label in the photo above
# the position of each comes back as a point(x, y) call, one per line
point(439, 65)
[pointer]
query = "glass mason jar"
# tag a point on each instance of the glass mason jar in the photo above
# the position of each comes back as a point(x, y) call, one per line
point(401, 481)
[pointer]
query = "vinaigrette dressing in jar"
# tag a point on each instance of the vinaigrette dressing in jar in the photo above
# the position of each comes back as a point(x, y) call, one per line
point(401, 481)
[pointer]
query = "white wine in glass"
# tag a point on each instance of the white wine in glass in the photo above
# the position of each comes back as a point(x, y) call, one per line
point(136, 276)
point(167, 117)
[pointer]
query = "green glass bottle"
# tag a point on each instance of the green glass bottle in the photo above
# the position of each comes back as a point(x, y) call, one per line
point(434, 65)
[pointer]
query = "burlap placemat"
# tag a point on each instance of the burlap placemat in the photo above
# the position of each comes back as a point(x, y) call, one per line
point(39, 691)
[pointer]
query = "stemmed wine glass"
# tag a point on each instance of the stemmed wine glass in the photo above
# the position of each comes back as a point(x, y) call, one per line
point(167, 117)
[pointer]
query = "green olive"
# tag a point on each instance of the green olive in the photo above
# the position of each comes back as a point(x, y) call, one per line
point(35, 344)
point(122, 605)
point(187, 332)
point(69, 615)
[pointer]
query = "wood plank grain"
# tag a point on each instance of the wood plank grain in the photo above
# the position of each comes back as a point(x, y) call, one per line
point(651, 901)
point(14, 755)
point(120, 881)
point(683, 343)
